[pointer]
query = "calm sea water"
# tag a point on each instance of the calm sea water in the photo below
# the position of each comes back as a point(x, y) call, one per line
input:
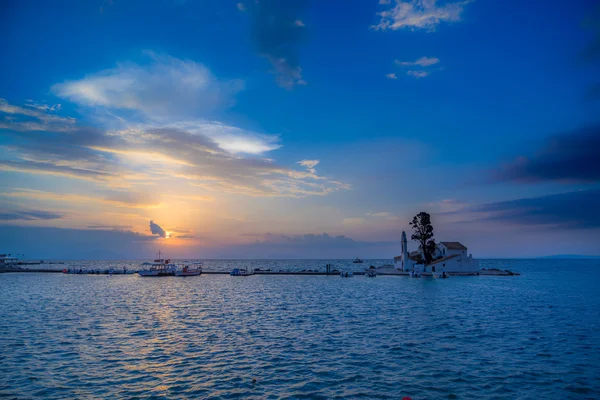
point(87, 336)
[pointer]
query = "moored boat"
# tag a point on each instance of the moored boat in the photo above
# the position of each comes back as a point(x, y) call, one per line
point(358, 261)
point(194, 269)
point(240, 272)
point(159, 267)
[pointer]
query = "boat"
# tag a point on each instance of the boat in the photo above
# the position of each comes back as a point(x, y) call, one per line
point(159, 267)
point(194, 269)
point(346, 274)
point(240, 272)
point(371, 272)
point(6, 261)
point(415, 274)
point(358, 261)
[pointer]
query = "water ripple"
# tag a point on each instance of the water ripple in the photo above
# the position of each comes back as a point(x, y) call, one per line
point(267, 337)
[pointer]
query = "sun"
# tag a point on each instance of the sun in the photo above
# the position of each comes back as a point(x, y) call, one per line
point(168, 235)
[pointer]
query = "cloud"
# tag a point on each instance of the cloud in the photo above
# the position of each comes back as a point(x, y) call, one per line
point(380, 214)
point(353, 221)
point(241, 7)
point(59, 243)
point(111, 227)
point(566, 157)
point(316, 245)
point(30, 215)
point(123, 199)
point(391, 76)
point(277, 35)
point(310, 165)
point(51, 169)
point(43, 107)
point(446, 206)
point(165, 86)
point(422, 62)
point(209, 155)
point(419, 14)
point(572, 210)
point(157, 230)
point(418, 74)
point(229, 138)
point(33, 117)
point(383, 214)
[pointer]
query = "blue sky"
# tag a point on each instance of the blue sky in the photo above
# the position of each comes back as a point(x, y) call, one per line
point(271, 128)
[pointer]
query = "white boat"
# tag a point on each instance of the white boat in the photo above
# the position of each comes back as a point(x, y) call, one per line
point(357, 261)
point(159, 267)
point(415, 274)
point(240, 272)
point(6, 261)
point(194, 269)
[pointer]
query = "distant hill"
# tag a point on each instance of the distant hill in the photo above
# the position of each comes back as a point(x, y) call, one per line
point(569, 256)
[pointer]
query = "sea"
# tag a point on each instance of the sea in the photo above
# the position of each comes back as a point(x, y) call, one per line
point(533, 336)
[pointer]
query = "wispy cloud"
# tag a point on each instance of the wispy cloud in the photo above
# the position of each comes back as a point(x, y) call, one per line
point(310, 165)
point(30, 215)
point(418, 74)
point(391, 76)
point(164, 86)
point(422, 62)
point(241, 7)
point(383, 214)
point(419, 14)
point(126, 199)
point(111, 227)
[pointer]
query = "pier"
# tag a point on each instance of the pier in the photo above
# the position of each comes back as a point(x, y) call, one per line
point(491, 272)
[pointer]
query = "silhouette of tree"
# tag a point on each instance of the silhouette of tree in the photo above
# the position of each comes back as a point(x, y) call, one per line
point(423, 233)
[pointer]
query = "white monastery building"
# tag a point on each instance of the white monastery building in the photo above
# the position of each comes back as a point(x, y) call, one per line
point(451, 257)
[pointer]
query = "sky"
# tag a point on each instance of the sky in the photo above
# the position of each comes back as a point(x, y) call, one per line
point(298, 129)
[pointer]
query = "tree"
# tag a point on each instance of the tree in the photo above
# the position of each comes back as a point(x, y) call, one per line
point(423, 233)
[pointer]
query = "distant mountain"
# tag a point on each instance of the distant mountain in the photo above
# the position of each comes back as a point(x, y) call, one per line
point(569, 256)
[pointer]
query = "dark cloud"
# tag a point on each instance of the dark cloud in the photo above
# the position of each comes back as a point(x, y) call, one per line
point(59, 243)
point(310, 246)
point(573, 210)
point(568, 157)
point(278, 32)
point(52, 169)
point(30, 215)
point(157, 230)
point(186, 236)
point(111, 227)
